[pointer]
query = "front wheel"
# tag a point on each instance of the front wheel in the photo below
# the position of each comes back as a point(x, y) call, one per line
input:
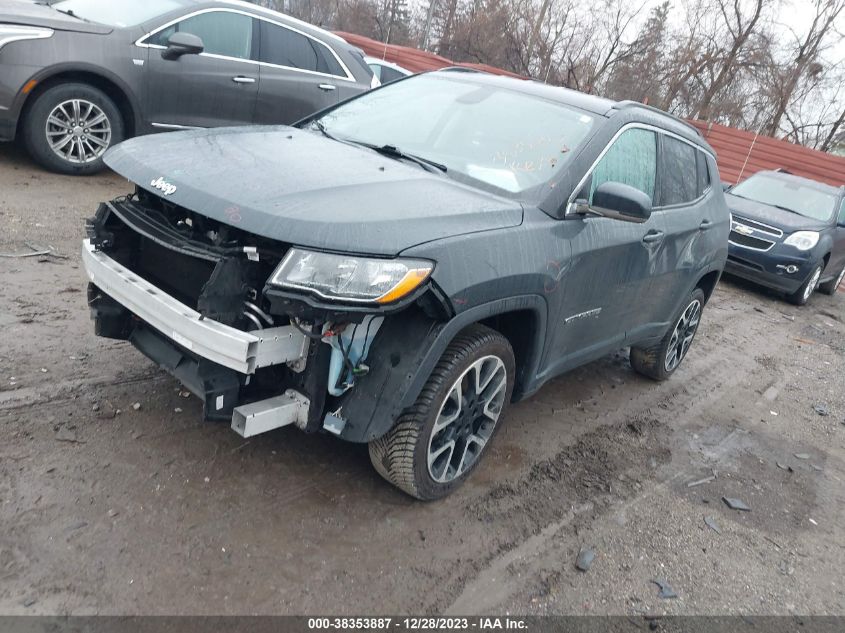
point(70, 126)
point(801, 296)
point(436, 444)
point(829, 287)
point(660, 361)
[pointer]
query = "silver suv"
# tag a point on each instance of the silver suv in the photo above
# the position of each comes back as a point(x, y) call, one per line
point(78, 76)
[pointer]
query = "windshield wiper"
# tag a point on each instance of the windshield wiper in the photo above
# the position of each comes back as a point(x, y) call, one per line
point(385, 150)
point(322, 128)
point(776, 206)
point(395, 152)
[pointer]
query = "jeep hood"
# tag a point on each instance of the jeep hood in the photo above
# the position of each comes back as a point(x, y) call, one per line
point(301, 188)
point(767, 214)
point(28, 13)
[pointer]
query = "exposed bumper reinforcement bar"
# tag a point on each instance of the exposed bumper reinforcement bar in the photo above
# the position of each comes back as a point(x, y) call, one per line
point(241, 351)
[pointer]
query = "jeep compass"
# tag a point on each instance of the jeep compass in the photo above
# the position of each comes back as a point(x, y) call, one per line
point(400, 268)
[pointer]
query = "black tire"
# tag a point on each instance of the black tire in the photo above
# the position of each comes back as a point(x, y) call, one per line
point(653, 361)
point(35, 129)
point(401, 456)
point(829, 287)
point(801, 296)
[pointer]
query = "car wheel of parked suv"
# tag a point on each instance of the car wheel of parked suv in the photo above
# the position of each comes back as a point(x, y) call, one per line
point(830, 287)
point(437, 443)
point(660, 361)
point(70, 127)
point(801, 296)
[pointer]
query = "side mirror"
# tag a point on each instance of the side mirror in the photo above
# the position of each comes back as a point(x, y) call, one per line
point(618, 201)
point(182, 44)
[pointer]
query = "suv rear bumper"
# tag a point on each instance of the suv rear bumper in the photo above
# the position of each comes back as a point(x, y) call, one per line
point(243, 352)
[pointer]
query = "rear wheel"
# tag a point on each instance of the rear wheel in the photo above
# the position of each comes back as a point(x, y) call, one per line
point(436, 444)
point(70, 126)
point(829, 287)
point(660, 361)
point(801, 296)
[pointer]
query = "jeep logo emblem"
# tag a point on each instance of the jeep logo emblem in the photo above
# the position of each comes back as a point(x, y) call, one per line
point(162, 185)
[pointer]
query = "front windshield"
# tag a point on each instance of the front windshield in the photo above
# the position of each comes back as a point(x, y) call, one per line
point(119, 13)
point(501, 137)
point(788, 194)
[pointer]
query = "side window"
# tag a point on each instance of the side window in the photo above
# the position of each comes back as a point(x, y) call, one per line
point(389, 74)
point(284, 47)
point(678, 172)
point(631, 160)
point(703, 173)
point(222, 33)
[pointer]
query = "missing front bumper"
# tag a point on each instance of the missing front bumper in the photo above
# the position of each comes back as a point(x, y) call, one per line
point(240, 351)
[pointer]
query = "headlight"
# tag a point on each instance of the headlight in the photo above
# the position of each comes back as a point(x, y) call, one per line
point(350, 278)
point(13, 33)
point(802, 240)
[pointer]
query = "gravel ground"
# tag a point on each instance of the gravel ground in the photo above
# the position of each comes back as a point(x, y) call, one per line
point(108, 508)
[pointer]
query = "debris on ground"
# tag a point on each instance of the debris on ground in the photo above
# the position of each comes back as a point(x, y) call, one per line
point(137, 406)
point(700, 482)
point(813, 521)
point(816, 467)
point(113, 513)
point(666, 592)
point(821, 409)
point(736, 504)
point(786, 467)
point(802, 456)
point(184, 394)
point(711, 523)
point(585, 559)
point(65, 434)
point(177, 410)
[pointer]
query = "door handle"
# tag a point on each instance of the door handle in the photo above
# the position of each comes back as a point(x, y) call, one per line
point(705, 225)
point(240, 79)
point(327, 87)
point(653, 236)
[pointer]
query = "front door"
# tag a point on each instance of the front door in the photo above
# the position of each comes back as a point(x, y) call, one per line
point(216, 88)
point(608, 279)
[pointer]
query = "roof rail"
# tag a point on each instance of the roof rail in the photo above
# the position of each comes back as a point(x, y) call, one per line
point(461, 69)
point(628, 103)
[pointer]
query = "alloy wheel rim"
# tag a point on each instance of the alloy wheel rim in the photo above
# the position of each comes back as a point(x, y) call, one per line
point(467, 418)
point(683, 335)
point(814, 281)
point(78, 131)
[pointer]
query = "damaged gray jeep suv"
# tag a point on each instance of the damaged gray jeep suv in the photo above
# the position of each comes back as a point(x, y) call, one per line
point(399, 268)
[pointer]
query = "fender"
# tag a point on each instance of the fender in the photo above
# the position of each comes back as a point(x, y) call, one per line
point(80, 67)
point(404, 354)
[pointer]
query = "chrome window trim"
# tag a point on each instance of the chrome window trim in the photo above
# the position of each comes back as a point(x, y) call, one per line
point(141, 43)
point(570, 203)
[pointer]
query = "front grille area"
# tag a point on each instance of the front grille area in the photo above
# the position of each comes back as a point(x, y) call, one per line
point(748, 241)
point(213, 268)
point(759, 226)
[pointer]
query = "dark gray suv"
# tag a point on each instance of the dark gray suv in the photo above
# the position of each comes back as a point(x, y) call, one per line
point(79, 76)
point(403, 266)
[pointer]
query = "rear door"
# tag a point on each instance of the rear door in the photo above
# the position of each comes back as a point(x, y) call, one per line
point(299, 75)
point(218, 87)
point(611, 264)
point(684, 205)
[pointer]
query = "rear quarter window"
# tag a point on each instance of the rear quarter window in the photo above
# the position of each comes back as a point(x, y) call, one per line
point(679, 177)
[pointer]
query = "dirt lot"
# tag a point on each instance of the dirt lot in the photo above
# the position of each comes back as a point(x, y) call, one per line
point(112, 510)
